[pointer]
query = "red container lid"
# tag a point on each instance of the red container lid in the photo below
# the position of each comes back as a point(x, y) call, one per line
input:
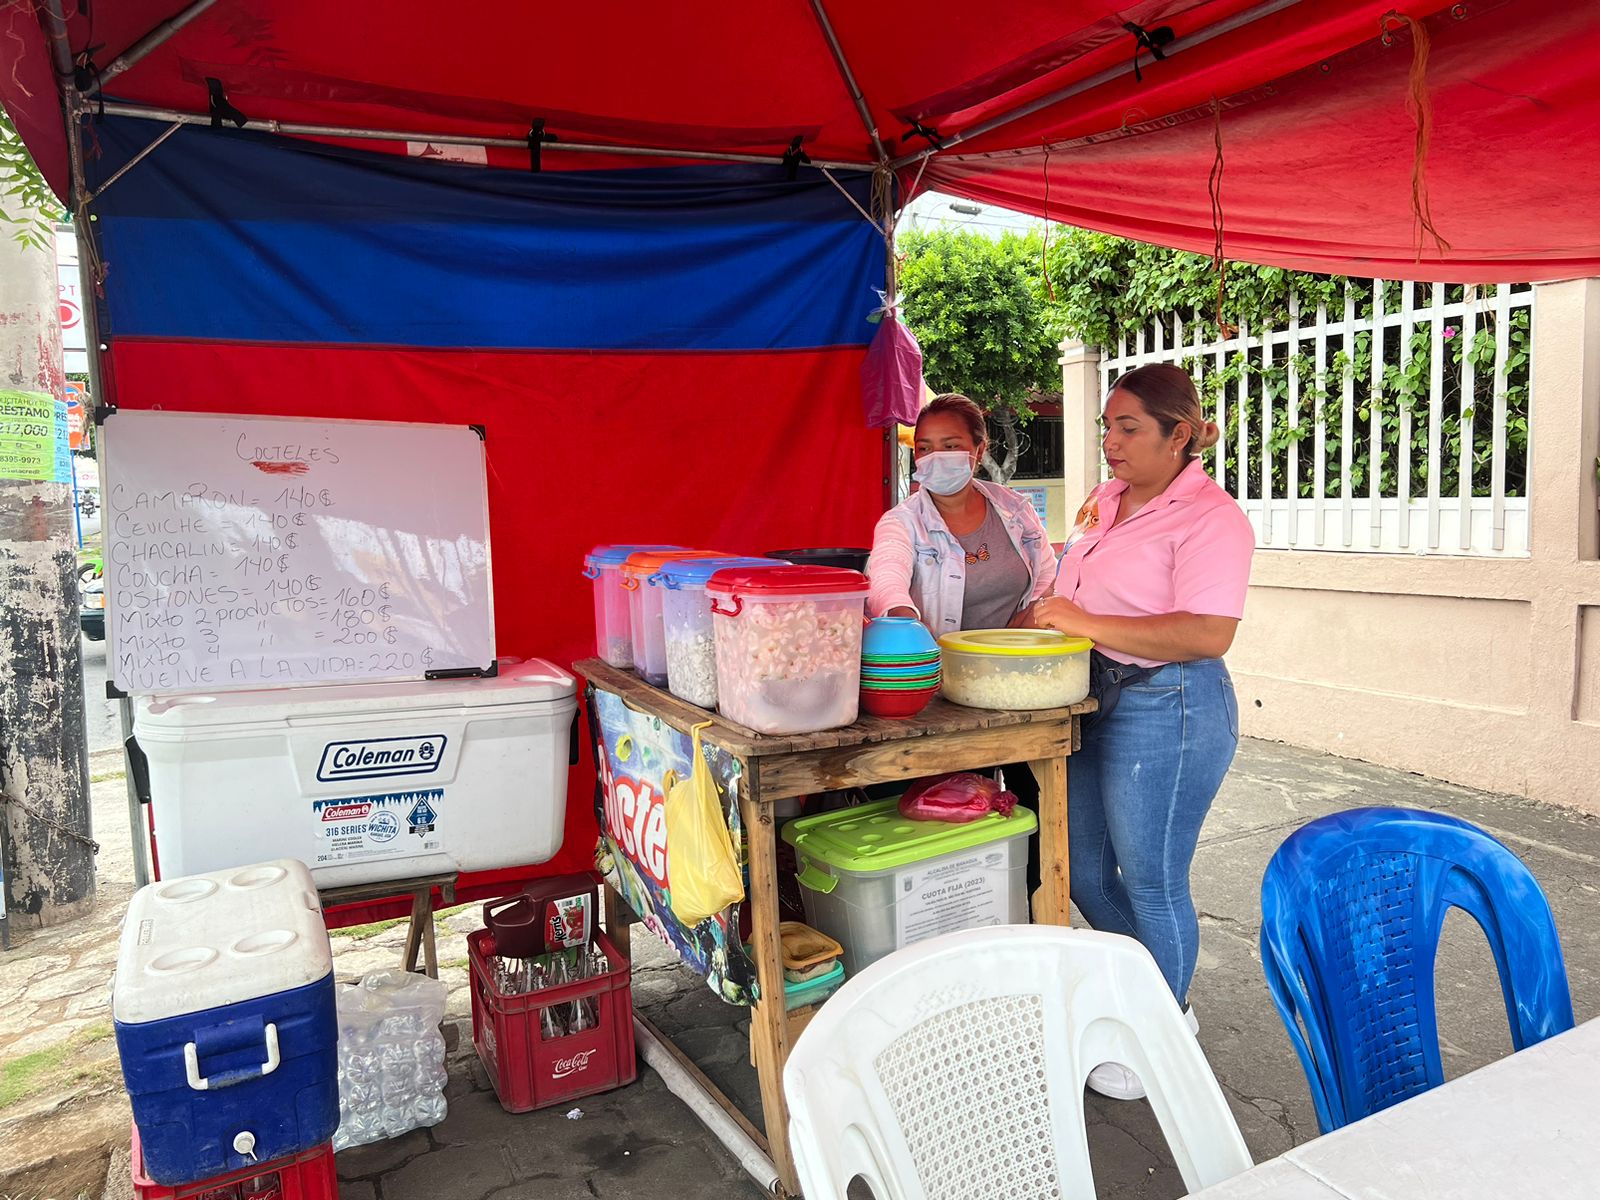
point(786, 581)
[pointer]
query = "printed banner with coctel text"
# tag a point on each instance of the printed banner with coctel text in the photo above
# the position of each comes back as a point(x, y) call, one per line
point(638, 758)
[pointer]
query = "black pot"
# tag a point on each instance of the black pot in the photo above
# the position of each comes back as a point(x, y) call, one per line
point(852, 557)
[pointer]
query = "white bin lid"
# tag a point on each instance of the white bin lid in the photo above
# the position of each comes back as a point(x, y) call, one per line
point(532, 680)
point(202, 941)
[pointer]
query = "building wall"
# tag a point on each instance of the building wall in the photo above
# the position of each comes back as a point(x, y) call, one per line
point(1055, 503)
point(1481, 671)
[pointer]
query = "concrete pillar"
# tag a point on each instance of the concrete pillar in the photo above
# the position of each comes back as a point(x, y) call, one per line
point(49, 865)
point(1080, 422)
point(1564, 426)
point(1564, 419)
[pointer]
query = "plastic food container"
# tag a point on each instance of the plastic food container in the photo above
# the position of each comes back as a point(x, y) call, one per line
point(613, 636)
point(876, 882)
point(686, 623)
point(811, 991)
point(788, 643)
point(644, 607)
point(1015, 668)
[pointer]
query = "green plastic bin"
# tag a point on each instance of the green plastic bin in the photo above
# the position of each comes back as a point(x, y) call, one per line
point(876, 882)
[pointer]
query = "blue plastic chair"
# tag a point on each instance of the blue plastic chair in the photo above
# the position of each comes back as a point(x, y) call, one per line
point(1352, 906)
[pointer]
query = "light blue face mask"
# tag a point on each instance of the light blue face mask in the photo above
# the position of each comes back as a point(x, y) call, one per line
point(944, 472)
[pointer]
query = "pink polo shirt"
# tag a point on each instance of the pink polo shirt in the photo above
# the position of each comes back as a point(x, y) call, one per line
point(1188, 550)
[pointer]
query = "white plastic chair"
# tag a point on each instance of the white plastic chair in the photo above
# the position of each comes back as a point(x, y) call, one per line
point(955, 1069)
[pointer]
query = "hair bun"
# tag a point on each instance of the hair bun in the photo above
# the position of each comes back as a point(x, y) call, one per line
point(1208, 436)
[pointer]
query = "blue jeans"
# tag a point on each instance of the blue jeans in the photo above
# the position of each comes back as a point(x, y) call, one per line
point(1138, 793)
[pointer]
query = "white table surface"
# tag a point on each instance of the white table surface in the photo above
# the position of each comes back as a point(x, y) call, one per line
point(1525, 1126)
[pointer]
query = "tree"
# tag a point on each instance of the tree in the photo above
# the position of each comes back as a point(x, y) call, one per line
point(980, 315)
point(44, 794)
point(32, 209)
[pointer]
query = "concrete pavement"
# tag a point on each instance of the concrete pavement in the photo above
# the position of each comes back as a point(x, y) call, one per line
point(642, 1142)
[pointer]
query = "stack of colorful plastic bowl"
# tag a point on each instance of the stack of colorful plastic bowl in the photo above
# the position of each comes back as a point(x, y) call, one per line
point(899, 667)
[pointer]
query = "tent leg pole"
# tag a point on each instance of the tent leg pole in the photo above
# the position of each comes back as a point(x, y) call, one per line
point(138, 828)
point(723, 1127)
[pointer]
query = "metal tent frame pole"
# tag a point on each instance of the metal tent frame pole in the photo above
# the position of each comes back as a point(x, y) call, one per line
point(148, 43)
point(856, 95)
point(1198, 38)
point(299, 129)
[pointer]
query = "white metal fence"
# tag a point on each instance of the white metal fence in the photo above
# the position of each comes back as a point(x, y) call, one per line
point(1398, 423)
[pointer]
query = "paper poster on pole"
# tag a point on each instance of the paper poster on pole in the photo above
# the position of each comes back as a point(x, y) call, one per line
point(33, 438)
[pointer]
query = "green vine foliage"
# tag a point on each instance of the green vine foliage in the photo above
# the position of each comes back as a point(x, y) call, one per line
point(1107, 289)
point(980, 317)
point(1103, 290)
point(33, 209)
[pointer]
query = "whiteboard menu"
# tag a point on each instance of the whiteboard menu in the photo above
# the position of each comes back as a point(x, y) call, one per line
point(247, 552)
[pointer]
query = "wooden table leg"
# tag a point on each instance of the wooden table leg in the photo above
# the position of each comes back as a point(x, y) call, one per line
point(769, 1024)
point(1050, 903)
point(618, 928)
point(419, 934)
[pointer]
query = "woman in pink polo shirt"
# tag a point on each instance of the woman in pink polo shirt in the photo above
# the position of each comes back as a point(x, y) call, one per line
point(1155, 573)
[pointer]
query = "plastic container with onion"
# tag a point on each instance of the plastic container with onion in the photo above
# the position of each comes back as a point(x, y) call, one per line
point(686, 619)
point(640, 579)
point(1014, 668)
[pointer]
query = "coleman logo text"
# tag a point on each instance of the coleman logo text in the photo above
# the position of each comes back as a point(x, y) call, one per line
point(381, 758)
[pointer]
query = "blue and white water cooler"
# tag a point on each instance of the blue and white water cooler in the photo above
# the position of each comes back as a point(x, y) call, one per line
point(224, 1012)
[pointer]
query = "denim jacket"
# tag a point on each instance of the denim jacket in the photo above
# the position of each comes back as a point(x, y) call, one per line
point(917, 561)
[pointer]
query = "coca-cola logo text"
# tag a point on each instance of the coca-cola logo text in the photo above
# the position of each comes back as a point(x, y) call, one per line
point(571, 1066)
point(636, 819)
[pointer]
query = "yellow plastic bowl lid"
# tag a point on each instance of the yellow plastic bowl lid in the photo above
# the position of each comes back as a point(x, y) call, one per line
point(1015, 643)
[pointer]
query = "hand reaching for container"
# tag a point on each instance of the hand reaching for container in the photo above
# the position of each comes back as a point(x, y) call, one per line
point(1059, 613)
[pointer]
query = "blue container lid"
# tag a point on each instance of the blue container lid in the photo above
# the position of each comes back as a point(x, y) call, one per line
point(615, 556)
point(687, 572)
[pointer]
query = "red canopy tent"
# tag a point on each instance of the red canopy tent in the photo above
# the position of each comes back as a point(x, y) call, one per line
point(620, 408)
point(1036, 104)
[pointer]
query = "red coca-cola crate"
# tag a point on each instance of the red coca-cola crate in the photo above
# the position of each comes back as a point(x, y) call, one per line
point(530, 1070)
point(309, 1175)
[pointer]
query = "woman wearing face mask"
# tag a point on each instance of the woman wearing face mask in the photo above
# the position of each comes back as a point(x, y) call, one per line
point(960, 553)
point(1155, 574)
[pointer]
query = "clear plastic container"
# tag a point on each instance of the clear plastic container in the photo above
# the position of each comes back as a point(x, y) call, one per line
point(613, 632)
point(1014, 668)
point(788, 646)
point(639, 580)
point(876, 882)
point(686, 622)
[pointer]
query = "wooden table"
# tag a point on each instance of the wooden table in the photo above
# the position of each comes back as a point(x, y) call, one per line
point(1522, 1126)
point(419, 933)
point(944, 737)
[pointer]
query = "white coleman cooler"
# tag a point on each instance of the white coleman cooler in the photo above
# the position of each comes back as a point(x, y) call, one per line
point(362, 782)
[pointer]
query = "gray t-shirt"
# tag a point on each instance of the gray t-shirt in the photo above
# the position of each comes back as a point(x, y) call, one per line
point(997, 578)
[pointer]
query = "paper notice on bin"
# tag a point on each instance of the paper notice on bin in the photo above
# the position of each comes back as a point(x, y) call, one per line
point(951, 894)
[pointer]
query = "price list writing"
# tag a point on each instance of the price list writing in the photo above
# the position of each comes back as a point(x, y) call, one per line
point(291, 552)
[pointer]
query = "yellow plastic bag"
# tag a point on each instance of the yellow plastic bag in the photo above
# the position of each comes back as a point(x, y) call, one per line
point(702, 868)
